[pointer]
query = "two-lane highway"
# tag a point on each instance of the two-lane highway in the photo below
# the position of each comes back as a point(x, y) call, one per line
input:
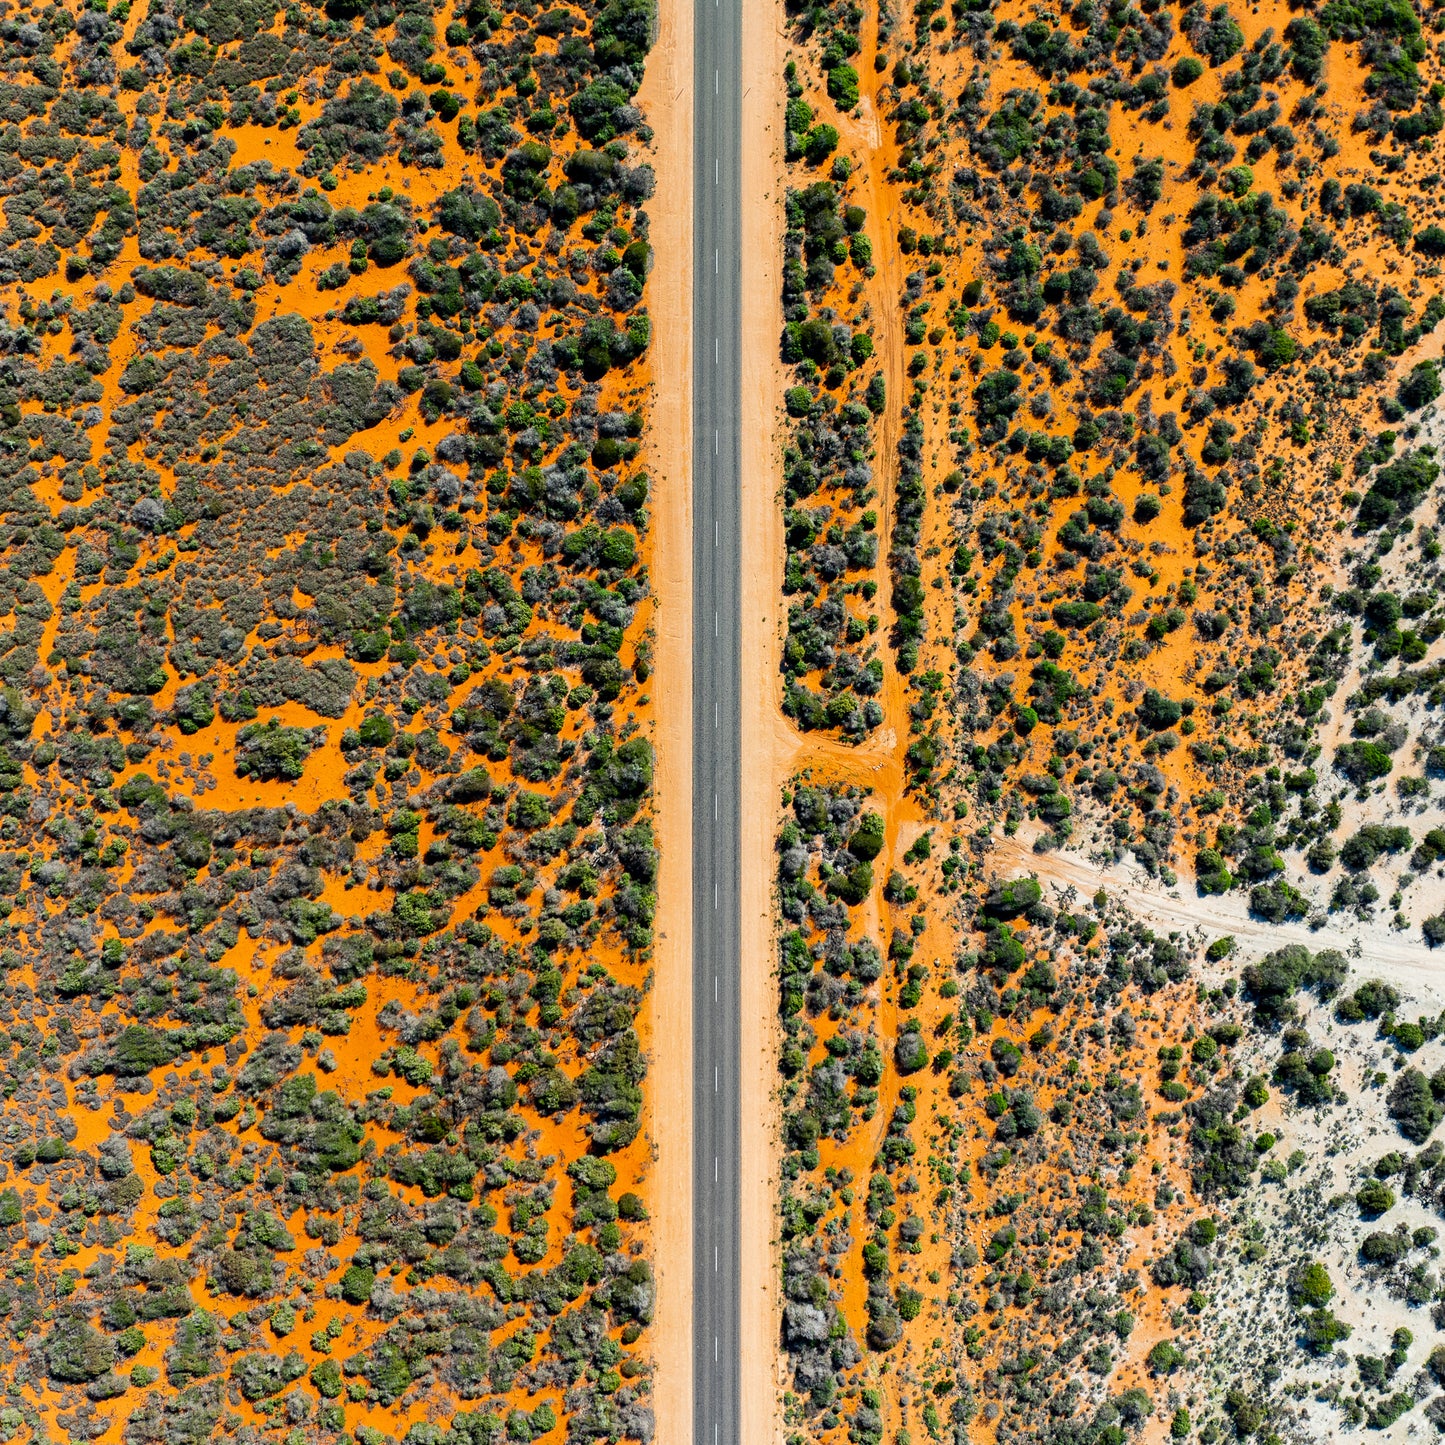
point(717, 185)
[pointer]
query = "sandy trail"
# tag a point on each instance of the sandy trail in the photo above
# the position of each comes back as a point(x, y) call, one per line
point(667, 99)
point(771, 741)
point(1394, 956)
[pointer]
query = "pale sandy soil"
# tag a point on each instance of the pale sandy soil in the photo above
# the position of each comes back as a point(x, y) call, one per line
point(1341, 1144)
point(666, 98)
point(1401, 958)
point(767, 741)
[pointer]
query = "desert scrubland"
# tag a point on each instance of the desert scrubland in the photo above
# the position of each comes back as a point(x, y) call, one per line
point(327, 854)
point(1108, 862)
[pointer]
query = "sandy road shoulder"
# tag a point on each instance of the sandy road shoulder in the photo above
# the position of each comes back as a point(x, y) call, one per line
point(764, 743)
point(666, 97)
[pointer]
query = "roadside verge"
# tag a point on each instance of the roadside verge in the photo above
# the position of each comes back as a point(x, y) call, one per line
point(667, 100)
point(764, 734)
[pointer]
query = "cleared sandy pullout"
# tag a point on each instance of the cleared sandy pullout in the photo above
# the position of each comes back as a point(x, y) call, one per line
point(667, 100)
point(767, 742)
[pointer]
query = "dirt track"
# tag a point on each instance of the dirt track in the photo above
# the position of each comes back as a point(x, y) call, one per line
point(1395, 956)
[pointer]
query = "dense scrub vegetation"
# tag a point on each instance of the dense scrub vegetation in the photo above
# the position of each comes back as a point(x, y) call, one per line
point(322, 1075)
point(1037, 1210)
point(1146, 290)
point(828, 462)
point(1048, 356)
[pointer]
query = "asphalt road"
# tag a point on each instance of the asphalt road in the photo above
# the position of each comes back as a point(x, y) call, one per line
point(717, 236)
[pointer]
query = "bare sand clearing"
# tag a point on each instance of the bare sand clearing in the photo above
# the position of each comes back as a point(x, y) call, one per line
point(767, 741)
point(667, 97)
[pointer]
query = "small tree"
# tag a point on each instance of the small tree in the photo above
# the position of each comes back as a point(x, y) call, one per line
point(1311, 1287)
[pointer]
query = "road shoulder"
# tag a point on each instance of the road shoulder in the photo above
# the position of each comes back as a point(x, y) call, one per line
point(667, 100)
point(763, 737)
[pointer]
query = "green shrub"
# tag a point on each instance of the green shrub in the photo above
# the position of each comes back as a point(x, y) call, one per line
point(1310, 1286)
point(270, 751)
point(1375, 1197)
point(1414, 1105)
point(1156, 711)
point(326, 1377)
point(1009, 900)
point(1165, 1357)
point(1320, 1331)
point(1421, 386)
point(76, 1352)
point(820, 143)
point(1369, 1001)
point(910, 1052)
point(1272, 982)
point(854, 885)
point(868, 837)
point(843, 86)
point(356, 1284)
